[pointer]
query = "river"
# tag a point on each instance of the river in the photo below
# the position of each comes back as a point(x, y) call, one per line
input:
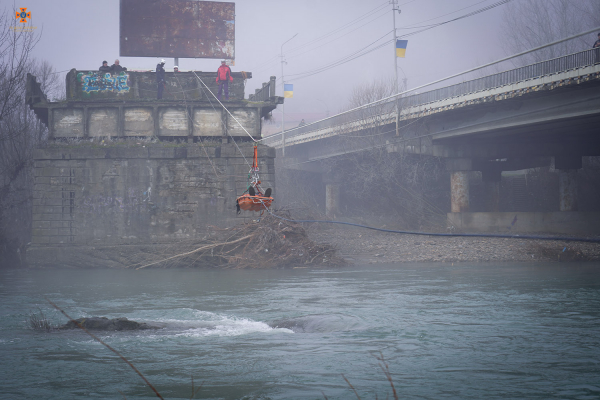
point(462, 331)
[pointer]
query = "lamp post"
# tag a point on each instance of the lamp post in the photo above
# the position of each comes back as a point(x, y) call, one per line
point(283, 105)
point(393, 3)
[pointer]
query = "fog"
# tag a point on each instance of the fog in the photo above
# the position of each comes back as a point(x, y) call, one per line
point(80, 34)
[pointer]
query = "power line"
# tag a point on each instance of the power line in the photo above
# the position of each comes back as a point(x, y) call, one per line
point(333, 40)
point(346, 58)
point(444, 79)
point(351, 58)
point(325, 36)
point(326, 43)
point(369, 13)
point(439, 16)
point(479, 11)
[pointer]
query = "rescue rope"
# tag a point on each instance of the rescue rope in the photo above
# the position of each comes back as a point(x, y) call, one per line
point(191, 121)
point(228, 112)
point(222, 123)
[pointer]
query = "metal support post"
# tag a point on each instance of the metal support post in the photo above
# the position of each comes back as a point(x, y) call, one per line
point(394, 3)
point(283, 105)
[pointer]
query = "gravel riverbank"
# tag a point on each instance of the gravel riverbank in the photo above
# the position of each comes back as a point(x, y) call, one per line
point(363, 245)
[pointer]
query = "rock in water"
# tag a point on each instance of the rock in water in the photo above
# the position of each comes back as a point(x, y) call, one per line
point(105, 324)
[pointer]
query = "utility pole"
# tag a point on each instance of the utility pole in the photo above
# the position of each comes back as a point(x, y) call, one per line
point(283, 105)
point(394, 3)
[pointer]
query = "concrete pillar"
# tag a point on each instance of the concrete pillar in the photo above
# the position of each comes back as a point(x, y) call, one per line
point(491, 185)
point(332, 199)
point(567, 190)
point(459, 188)
point(567, 180)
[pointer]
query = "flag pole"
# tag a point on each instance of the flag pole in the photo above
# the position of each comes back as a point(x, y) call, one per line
point(394, 2)
point(283, 104)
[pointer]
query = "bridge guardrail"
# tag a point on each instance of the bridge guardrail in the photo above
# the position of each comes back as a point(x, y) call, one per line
point(560, 64)
point(264, 93)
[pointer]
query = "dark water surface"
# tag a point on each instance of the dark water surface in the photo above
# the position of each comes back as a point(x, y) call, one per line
point(493, 331)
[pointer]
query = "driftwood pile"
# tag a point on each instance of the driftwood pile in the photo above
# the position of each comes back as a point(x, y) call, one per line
point(268, 243)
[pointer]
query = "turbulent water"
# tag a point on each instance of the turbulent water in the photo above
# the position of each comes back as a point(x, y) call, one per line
point(492, 331)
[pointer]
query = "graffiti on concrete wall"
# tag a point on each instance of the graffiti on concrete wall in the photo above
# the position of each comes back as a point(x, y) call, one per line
point(93, 81)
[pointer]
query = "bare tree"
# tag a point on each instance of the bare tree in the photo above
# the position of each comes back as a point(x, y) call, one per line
point(20, 133)
point(527, 24)
point(16, 44)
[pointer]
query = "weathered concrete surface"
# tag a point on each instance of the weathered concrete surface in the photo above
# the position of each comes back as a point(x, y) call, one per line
point(567, 190)
point(563, 222)
point(95, 85)
point(90, 197)
point(459, 187)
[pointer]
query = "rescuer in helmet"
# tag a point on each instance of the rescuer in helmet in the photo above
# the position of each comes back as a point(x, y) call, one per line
point(176, 69)
point(160, 78)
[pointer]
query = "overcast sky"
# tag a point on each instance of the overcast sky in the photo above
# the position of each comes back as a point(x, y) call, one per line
point(80, 34)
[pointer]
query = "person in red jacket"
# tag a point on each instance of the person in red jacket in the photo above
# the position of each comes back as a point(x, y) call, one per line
point(223, 78)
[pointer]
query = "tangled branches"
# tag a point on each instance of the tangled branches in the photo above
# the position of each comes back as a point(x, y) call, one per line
point(270, 243)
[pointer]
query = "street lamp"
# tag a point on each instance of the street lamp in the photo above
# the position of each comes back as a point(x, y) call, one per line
point(283, 105)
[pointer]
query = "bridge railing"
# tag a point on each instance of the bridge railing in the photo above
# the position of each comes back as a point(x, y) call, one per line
point(380, 111)
point(264, 93)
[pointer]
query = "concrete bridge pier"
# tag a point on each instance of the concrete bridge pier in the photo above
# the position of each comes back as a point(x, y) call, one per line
point(459, 183)
point(567, 181)
point(332, 199)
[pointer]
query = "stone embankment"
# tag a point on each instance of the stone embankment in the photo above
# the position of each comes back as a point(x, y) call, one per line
point(359, 245)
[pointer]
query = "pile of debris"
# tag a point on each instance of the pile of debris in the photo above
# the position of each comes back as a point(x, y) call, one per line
point(269, 243)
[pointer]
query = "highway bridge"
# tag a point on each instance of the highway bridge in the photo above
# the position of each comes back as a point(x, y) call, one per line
point(521, 118)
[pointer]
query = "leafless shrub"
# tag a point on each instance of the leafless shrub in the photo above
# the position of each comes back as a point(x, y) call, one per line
point(39, 322)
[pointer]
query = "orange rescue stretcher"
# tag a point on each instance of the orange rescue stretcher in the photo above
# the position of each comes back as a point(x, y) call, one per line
point(254, 198)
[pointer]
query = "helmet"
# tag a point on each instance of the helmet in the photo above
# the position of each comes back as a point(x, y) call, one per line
point(162, 61)
point(175, 66)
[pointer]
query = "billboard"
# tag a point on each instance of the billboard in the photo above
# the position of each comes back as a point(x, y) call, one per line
point(177, 28)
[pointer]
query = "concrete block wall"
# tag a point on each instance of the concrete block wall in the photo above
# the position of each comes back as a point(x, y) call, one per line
point(135, 119)
point(85, 195)
point(130, 85)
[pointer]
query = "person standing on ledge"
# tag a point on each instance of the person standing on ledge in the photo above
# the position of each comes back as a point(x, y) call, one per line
point(223, 78)
point(104, 67)
point(116, 67)
point(160, 78)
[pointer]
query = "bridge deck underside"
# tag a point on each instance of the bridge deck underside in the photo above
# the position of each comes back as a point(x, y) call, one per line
point(564, 120)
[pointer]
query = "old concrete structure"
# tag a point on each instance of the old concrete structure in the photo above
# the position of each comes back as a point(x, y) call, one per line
point(123, 171)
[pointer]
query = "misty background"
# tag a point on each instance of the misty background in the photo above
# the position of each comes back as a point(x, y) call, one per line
point(81, 34)
point(342, 56)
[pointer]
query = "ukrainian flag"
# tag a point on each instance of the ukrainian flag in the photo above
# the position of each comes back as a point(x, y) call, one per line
point(401, 48)
point(288, 90)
